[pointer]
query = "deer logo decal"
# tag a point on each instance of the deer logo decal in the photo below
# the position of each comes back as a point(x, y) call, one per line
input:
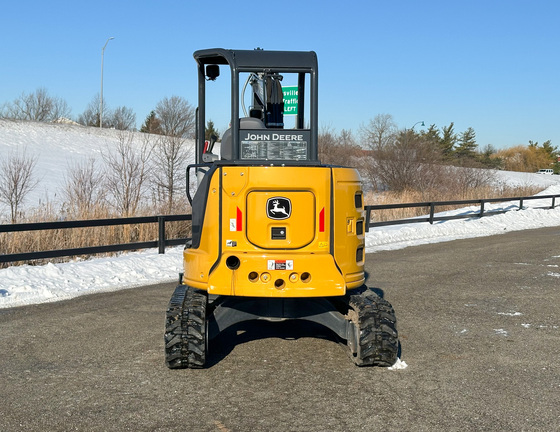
point(278, 208)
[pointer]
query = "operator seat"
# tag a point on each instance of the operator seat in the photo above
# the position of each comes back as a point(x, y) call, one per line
point(226, 148)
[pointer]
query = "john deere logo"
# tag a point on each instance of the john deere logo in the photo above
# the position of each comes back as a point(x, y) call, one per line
point(278, 208)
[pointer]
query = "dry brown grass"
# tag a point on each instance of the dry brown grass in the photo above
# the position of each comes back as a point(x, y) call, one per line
point(70, 238)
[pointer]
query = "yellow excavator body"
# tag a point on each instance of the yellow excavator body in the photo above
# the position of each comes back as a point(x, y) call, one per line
point(279, 231)
point(276, 234)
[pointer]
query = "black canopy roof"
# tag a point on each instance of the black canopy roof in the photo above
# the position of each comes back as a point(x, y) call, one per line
point(250, 59)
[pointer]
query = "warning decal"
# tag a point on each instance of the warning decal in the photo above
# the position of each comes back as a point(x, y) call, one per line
point(236, 224)
point(280, 264)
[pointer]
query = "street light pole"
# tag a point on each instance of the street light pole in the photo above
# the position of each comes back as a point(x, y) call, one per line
point(416, 124)
point(101, 95)
point(412, 130)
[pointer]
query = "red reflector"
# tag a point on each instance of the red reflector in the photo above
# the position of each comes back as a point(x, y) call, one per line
point(322, 220)
point(239, 219)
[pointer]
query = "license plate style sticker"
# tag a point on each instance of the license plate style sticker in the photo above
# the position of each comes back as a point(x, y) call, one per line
point(280, 264)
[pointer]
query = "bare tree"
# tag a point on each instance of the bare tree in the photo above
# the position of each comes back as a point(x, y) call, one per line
point(404, 162)
point(83, 188)
point(36, 106)
point(171, 156)
point(121, 118)
point(379, 132)
point(327, 145)
point(127, 172)
point(17, 179)
point(460, 180)
point(90, 116)
point(337, 149)
point(176, 116)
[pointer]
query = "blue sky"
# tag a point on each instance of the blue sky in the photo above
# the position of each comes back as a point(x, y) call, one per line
point(490, 65)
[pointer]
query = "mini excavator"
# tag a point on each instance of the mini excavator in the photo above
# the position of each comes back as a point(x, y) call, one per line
point(276, 234)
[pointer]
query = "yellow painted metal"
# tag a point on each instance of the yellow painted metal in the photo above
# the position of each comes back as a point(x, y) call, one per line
point(237, 178)
point(323, 280)
point(299, 227)
point(237, 254)
point(347, 184)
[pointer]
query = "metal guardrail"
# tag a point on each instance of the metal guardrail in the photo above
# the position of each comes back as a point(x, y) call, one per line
point(431, 218)
point(160, 243)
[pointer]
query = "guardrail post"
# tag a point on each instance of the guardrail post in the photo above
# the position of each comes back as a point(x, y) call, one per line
point(553, 202)
point(368, 216)
point(432, 210)
point(481, 208)
point(161, 234)
point(521, 204)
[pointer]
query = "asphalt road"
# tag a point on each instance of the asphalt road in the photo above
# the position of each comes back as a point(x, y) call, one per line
point(479, 322)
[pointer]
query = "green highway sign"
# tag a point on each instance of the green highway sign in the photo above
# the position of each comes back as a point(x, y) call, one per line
point(290, 99)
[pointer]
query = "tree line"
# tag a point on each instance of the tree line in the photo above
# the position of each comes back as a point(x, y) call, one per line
point(407, 159)
point(171, 116)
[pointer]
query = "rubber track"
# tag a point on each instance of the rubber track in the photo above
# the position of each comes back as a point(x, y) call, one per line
point(378, 337)
point(185, 329)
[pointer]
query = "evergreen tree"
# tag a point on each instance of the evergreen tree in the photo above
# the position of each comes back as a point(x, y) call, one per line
point(152, 124)
point(432, 137)
point(551, 150)
point(547, 154)
point(211, 130)
point(448, 141)
point(466, 148)
point(489, 159)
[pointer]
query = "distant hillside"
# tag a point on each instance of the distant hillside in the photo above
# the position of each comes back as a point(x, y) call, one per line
point(57, 146)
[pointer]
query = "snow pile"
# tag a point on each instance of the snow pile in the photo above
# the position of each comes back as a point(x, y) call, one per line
point(399, 364)
point(63, 144)
point(24, 285)
point(55, 146)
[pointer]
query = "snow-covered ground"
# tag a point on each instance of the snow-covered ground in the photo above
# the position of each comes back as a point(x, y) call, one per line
point(56, 145)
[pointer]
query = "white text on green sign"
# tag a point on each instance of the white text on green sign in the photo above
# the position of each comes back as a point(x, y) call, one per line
point(290, 99)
